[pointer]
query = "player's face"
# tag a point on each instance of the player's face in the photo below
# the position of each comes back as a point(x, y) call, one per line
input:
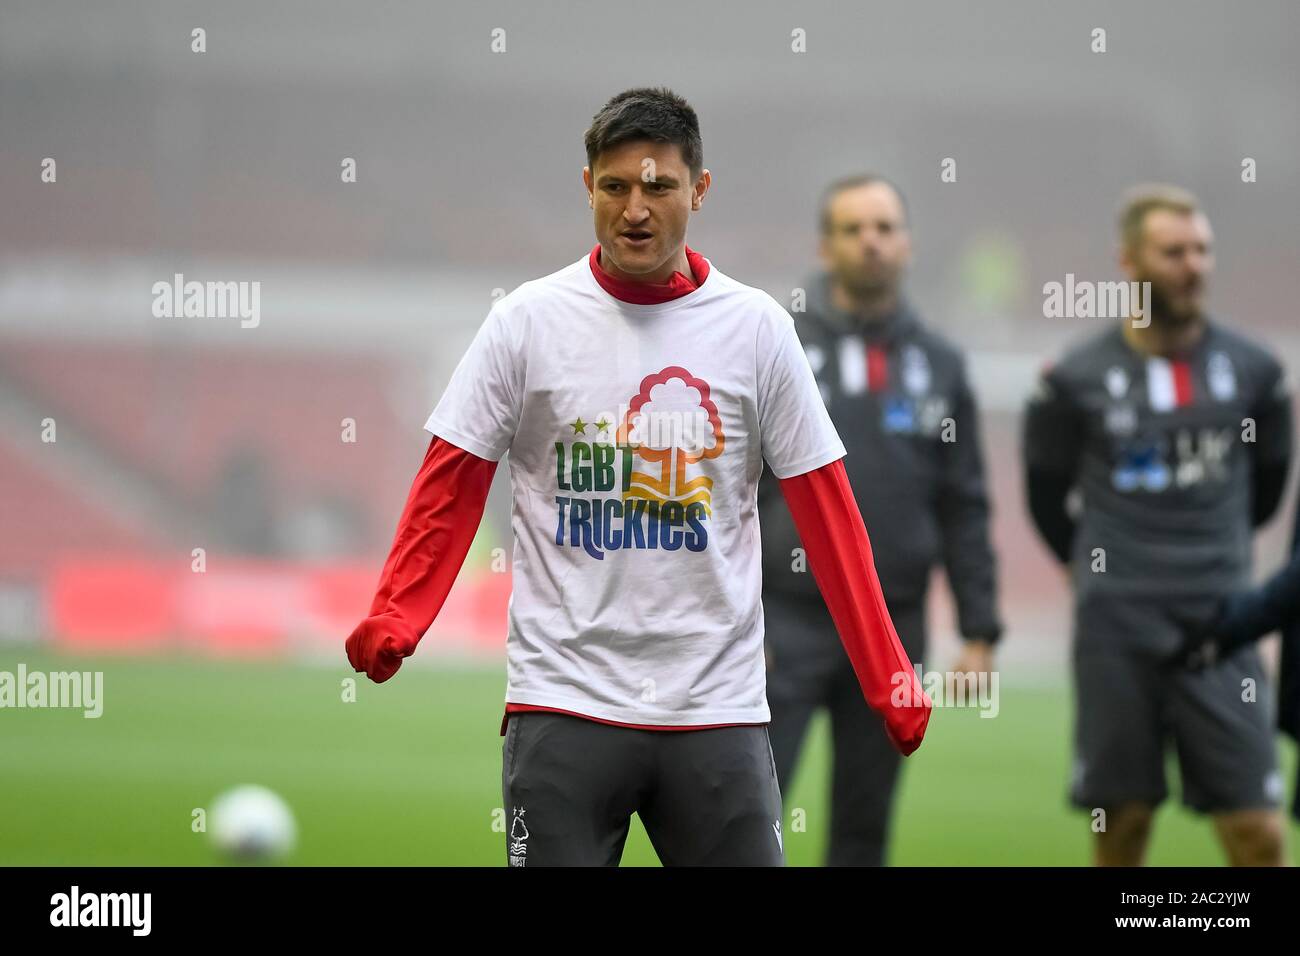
point(1176, 256)
point(868, 245)
point(642, 194)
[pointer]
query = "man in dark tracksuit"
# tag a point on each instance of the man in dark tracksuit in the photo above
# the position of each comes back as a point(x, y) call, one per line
point(1175, 433)
point(899, 398)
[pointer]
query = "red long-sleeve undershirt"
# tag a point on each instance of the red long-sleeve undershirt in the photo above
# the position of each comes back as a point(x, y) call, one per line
point(445, 507)
point(835, 540)
point(437, 526)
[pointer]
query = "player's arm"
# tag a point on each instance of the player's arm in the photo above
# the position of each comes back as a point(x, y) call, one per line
point(473, 427)
point(437, 526)
point(1051, 440)
point(963, 512)
point(839, 554)
point(1272, 448)
point(800, 444)
point(1247, 615)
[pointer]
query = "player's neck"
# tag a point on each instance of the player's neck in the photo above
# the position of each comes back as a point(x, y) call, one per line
point(1163, 336)
point(676, 263)
point(869, 307)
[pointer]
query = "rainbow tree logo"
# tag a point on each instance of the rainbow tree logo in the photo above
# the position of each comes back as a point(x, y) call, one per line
point(628, 488)
point(672, 423)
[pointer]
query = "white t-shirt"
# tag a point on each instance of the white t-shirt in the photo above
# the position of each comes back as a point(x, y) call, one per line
point(637, 434)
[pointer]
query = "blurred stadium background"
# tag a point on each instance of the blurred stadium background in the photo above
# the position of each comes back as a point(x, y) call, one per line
point(183, 433)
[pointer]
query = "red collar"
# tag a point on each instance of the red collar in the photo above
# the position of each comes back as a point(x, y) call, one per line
point(651, 293)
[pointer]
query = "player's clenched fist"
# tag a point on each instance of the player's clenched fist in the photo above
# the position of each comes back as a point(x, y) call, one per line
point(905, 727)
point(378, 645)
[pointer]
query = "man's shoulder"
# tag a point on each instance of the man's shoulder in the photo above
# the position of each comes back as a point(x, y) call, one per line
point(732, 290)
point(1089, 357)
point(1248, 354)
point(561, 280)
point(749, 309)
point(517, 309)
point(937, 345)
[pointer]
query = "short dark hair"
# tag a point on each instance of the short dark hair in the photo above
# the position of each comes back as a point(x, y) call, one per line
point(659, 115)
point(854, 182)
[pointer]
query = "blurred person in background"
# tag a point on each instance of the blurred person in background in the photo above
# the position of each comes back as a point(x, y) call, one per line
point(900, 400)
point(1175, 432)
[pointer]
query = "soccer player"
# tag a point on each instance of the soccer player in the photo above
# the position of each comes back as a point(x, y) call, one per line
point(1176, 433)
point(898, 395)
point(639, 391)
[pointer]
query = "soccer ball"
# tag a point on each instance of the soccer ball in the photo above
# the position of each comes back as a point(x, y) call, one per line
point(252, 824)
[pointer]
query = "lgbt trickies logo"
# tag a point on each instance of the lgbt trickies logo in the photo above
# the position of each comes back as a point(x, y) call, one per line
point(638, 482)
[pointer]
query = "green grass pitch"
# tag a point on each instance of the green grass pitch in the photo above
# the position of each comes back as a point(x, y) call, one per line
point(409, 773)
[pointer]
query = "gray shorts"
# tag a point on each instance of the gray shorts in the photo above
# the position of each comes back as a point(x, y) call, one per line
point(705, 797)
point(1133, 699)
